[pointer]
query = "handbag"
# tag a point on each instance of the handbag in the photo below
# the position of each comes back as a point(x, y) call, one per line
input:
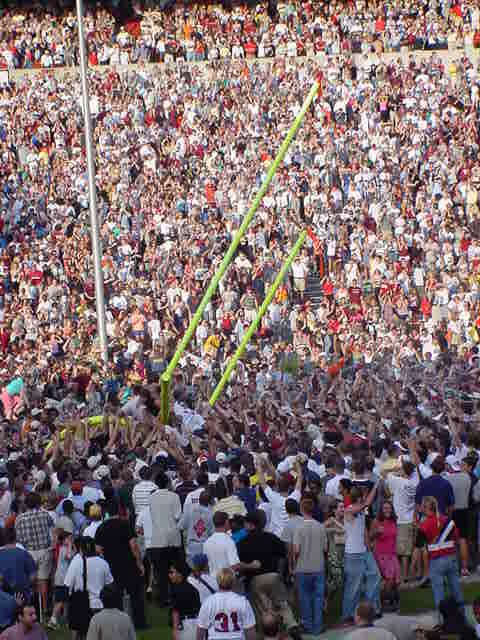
point(79, 612)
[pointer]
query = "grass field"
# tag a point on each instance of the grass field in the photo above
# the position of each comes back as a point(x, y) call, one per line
point(411, 602)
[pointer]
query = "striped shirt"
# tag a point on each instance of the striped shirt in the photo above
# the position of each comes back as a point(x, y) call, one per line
point(141, 494)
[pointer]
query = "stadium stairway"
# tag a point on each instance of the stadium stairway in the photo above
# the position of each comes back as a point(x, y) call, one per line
point(313, 292)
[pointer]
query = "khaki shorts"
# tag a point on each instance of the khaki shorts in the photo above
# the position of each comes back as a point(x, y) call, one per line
point(300, 284)
point(43, 561)
point(405, 539)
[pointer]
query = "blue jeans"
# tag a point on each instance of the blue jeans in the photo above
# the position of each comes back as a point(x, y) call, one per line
point(360, 567)
point(311, 592)
point(445, 567)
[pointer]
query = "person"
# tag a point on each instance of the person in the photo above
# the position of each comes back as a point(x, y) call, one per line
point(185, 605)
point(295, 520)
point(384, 533)
point(360, 565)
point(226, 612)
point(17, 566)
point(277, 499)
point(335, 530)
point(197, 522)
point(453, 622)
point(98, 572)
point(440, 534)
point(438, 487)
point(142, 490)
point(143, 527)
point(8, 606)
point(402, 487)
point(310, 547)
point(27, 627)
point(264, 551)
point(111, 623)
point(271, 625)
point(33, 530)
point(64, 553)
point(227, 502)
point(462, 490)
point(166, 511)
point(219, 547)
point(201, 579)
point(364, 619)
point(117, 543)
point(95, 515)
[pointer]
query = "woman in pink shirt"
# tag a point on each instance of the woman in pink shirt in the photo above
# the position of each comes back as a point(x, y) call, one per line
point(384, 534)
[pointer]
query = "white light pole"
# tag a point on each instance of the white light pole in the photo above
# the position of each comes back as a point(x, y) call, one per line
point(92, 189)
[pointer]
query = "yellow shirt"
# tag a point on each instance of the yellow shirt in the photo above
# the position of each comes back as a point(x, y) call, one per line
point(211, 344)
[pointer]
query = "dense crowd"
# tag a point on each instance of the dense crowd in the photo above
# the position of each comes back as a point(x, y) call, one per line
point(383, 173)
point(343, 458)
point(36, 36)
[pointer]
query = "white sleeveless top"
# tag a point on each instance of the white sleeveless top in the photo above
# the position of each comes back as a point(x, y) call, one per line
point(355, 534)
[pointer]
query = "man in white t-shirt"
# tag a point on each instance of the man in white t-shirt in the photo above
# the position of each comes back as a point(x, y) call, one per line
point(226, 615)
point(402, 487)
point(300, 273)
point(277, 499)
point(361, 574)
point(220, 548)
point(193, 497)
point(332, 487)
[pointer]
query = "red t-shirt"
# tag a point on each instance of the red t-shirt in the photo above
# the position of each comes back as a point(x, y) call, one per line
point(431, 527)
point(36, 276)
point(355, 294)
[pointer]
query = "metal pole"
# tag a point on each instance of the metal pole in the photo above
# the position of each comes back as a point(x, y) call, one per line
point(212, 287)
point(92, 189)
point(256, 322)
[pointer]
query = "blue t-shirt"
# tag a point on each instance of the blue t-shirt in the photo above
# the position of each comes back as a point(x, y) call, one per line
point(438, 488)
point(16, 567)
point(8, 607)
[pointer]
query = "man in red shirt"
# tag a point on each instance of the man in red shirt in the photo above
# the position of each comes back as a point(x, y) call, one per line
point(440, 535)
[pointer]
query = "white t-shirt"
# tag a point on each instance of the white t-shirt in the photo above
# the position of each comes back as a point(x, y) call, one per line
point(403, 495)
point(91, 530)
point(279, 514)
point(144, 522)
point(98, 575)
point(192, 499)
point(221, 552)
point(355, 533)
point(225, 615)
point(332, 488)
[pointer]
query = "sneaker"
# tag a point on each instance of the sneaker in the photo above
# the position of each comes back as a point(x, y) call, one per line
point(424, 583)
point(53, 625)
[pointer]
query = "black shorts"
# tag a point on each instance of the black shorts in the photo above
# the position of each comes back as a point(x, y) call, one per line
point(420, 540)
point(461, 518)
point(60, 594)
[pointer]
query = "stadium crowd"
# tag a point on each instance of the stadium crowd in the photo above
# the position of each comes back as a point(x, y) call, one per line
point(39, 36)
point(344, 456)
